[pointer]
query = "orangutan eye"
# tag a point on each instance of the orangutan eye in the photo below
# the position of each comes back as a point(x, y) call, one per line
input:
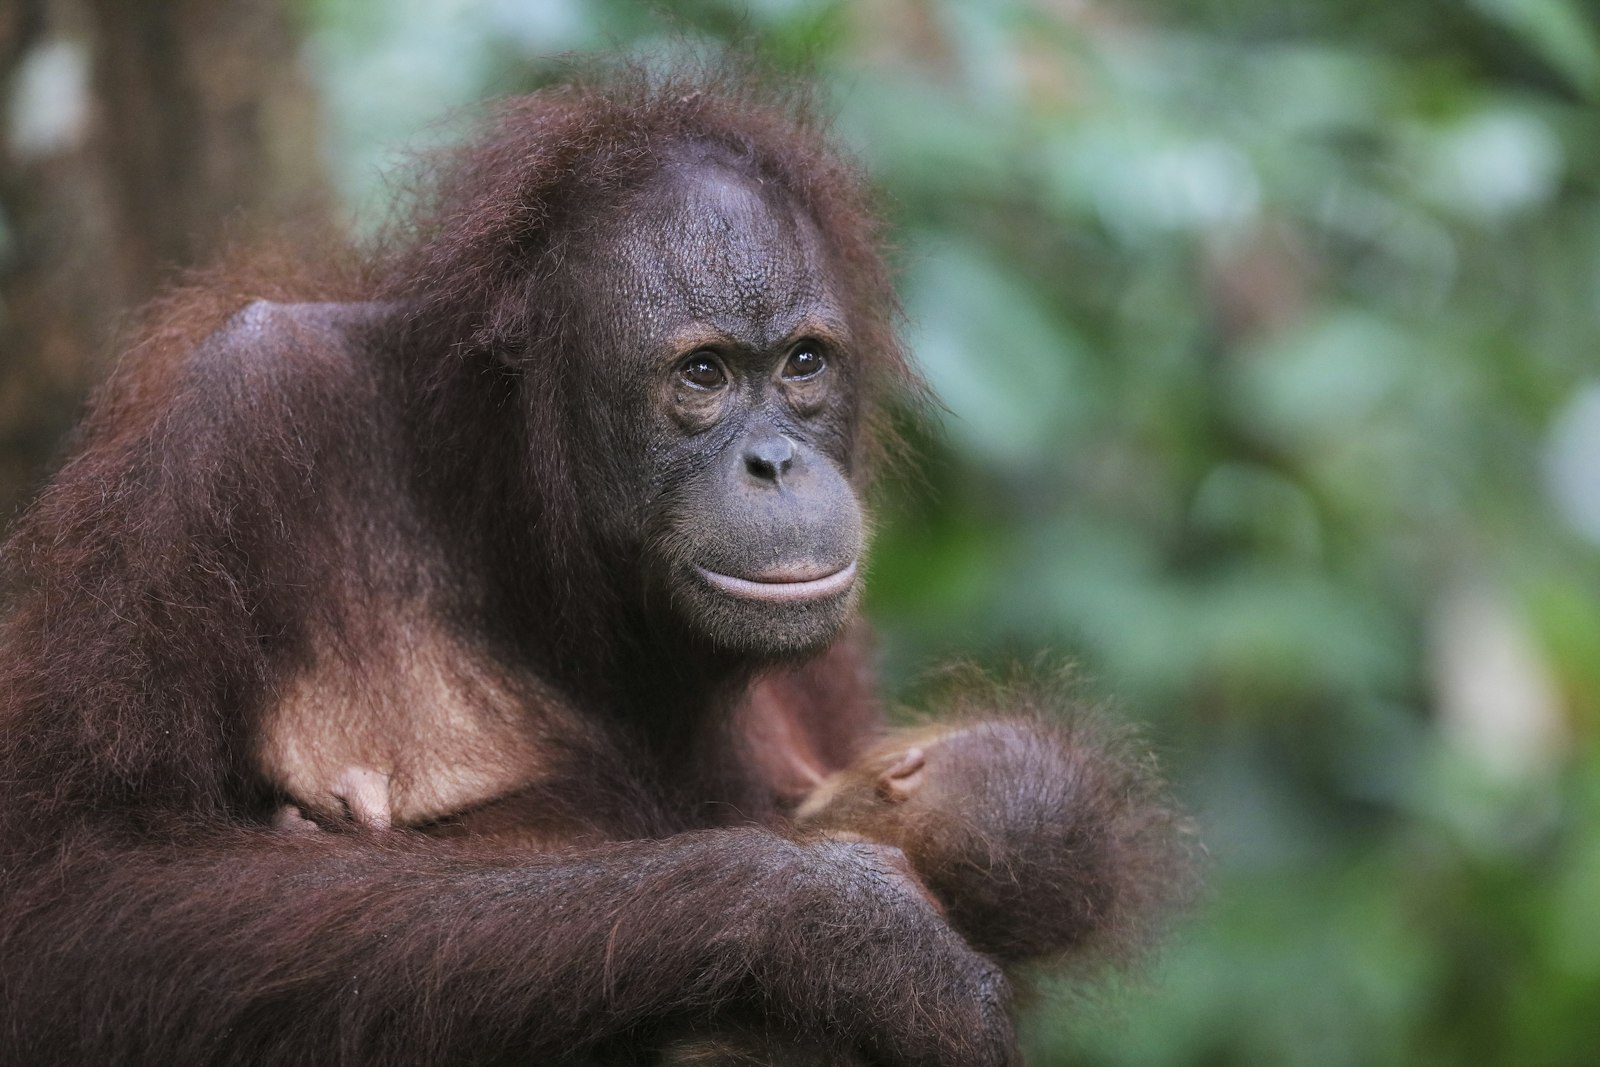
point(702, 371)
point(804, 362)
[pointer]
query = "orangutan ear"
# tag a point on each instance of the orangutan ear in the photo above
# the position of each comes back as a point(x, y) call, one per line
point(904, 778)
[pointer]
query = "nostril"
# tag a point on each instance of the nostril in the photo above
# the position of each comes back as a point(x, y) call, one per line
point(769, 458)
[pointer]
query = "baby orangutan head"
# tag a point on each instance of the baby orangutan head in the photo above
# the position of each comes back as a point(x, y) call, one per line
point(1038, 835)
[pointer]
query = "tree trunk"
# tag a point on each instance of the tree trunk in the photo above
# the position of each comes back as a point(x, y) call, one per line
point(135, 136)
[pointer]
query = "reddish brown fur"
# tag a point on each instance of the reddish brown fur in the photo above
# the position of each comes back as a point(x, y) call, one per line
point(1043, 830)
point(267, 496)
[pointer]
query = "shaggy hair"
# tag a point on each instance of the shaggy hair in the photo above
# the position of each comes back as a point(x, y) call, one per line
point(256, 480)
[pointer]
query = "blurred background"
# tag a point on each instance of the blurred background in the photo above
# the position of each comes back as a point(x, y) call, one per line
point(1267, 334)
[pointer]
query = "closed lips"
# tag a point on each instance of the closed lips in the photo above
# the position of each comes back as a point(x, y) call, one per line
point(783, 589)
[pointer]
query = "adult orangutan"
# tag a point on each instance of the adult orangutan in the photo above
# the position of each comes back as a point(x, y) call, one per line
point(519, 563)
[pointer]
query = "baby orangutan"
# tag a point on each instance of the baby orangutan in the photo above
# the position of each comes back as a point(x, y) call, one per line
point(1043, 834)
point(1037, 837)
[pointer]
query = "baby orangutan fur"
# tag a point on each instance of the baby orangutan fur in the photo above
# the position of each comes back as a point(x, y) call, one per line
point(1034, 824)
point(1040, 829)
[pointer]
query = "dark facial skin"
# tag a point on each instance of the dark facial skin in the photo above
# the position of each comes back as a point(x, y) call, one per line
point(733, 391)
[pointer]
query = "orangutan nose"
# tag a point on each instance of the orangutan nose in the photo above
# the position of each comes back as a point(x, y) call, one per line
point(769, 457)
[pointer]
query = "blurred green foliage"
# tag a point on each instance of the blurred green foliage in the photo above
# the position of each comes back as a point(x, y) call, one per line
point(1267, 334)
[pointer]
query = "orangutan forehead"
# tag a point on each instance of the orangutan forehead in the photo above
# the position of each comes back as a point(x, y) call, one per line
point(709, 246)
